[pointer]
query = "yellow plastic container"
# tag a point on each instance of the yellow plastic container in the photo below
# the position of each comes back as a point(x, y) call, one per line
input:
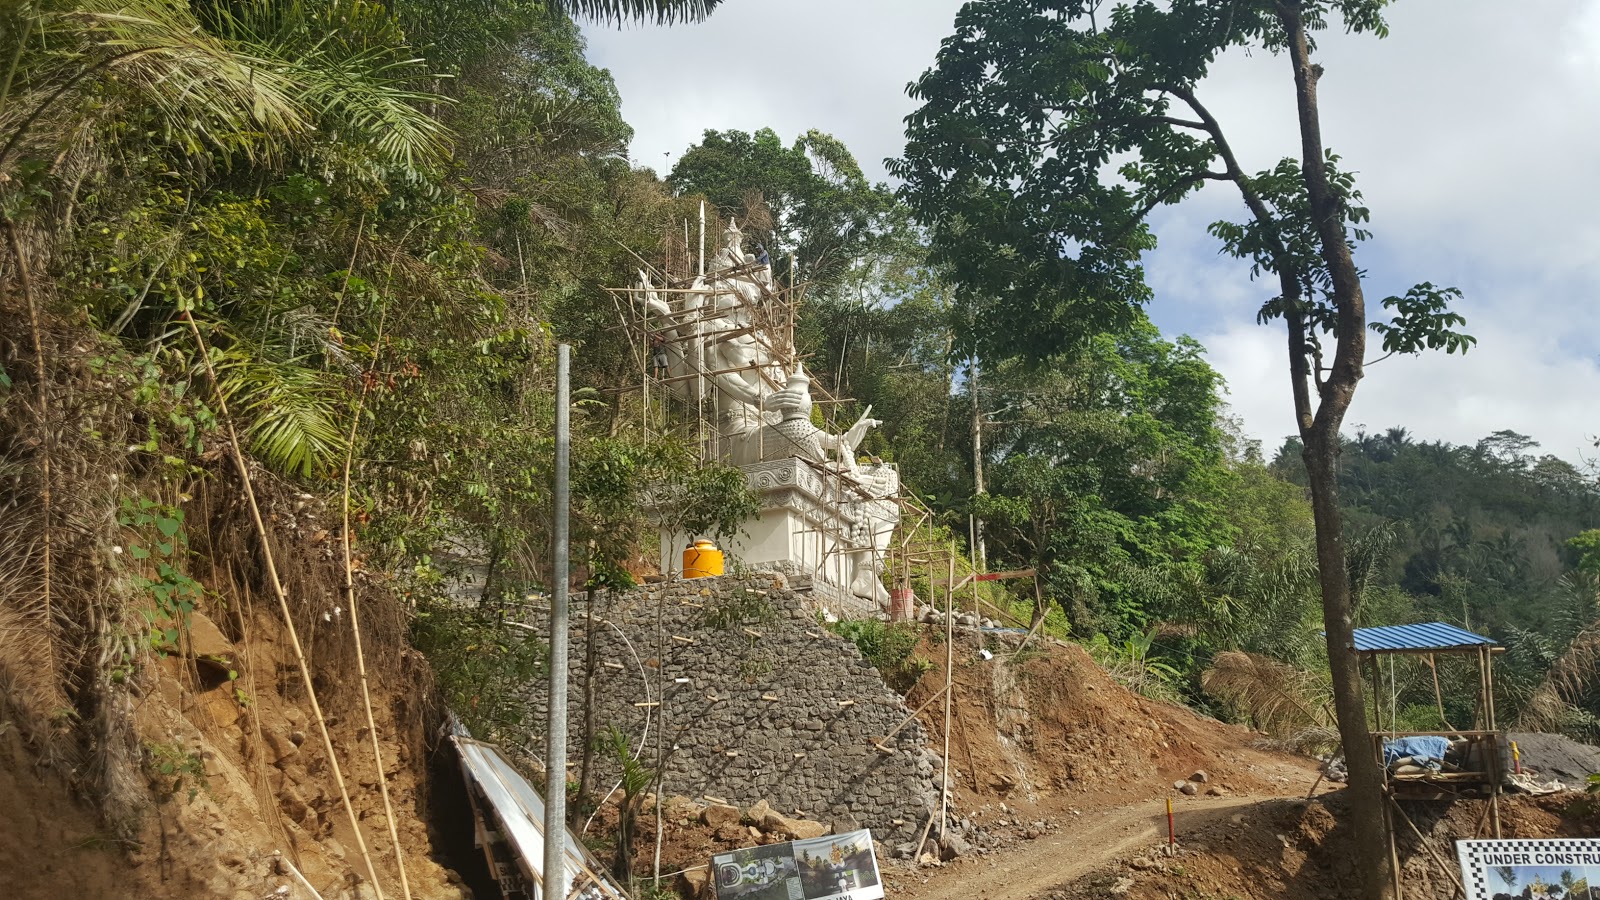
point(702, 559)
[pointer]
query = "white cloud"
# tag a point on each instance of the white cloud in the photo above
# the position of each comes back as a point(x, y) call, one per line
point(1473, 128)
point(837, 65)
point(1514, 379)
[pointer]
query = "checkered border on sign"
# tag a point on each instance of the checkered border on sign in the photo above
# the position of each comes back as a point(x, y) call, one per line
point(1474, 871)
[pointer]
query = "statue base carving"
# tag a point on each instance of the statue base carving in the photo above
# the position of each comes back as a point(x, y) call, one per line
point(833, 526)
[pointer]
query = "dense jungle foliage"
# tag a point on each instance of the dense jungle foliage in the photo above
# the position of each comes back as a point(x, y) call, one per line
point(383, 217)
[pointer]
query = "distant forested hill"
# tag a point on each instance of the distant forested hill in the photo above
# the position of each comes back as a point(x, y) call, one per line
point(1479, 532)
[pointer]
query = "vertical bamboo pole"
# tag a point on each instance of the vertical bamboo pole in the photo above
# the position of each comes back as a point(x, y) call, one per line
point(949, 684)
point(972, 551)
point(702, 239)
point(1377, 692)
point(1488, 679)
point(1438, 694)
point(1394, 848)
point(1494, 739)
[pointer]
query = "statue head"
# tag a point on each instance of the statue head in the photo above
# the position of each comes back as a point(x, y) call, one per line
point(732, 236)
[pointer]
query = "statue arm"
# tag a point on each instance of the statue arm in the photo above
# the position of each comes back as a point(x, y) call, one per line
point(858, 432)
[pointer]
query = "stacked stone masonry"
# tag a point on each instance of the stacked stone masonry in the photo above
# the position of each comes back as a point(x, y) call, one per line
point(774, 707)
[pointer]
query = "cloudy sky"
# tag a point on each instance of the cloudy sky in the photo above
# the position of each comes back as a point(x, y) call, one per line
point(1475, 130)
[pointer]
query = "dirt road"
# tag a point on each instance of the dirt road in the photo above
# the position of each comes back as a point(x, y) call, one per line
point(1084, 843)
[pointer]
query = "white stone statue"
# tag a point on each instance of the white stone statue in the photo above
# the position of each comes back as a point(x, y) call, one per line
point(732, 254)
point(821, 516)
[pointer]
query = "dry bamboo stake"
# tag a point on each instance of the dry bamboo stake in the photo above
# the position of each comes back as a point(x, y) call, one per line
point(355, 622)
point(278, 854)
point(977, 609)
point(949, 687)
point(25, 279)
point(1029, 636)
point(923, 837)
point(907, 720)
point(283, 600)
point(1448, 870)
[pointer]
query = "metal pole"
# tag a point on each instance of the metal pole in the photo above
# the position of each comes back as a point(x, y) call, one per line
point(555, 762)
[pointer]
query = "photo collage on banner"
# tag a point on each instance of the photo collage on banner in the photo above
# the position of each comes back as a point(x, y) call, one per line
point(832, 867)
point(1542, 869)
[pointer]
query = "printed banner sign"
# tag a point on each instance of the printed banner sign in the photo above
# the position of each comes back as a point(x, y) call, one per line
point(833, 867)
point(1516, 869)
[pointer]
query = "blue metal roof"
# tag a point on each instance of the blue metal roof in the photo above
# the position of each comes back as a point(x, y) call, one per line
point(1423, 636)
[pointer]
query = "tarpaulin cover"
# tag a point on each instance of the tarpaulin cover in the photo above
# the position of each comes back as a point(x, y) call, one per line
point(1419, 748)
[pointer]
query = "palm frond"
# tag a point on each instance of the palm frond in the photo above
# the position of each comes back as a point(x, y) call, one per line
point(664, 12)
point(205, 93)
point(1276, 697)
point(347, 72)
point(365, 96)
point(1574, 671)
point(291, 412)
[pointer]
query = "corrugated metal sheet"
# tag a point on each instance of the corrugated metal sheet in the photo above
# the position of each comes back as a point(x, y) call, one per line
point(1423, 636)
point(520, 811)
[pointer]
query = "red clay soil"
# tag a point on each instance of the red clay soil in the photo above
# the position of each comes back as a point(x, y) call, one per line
point(228, 787)
point(1294, 848)
point(1057, 727)
point(1064, 775)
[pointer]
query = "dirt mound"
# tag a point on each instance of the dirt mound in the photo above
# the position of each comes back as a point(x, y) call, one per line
point(1052, 722)
point(227, 775)
point(1555, 756)
point(1295, 848)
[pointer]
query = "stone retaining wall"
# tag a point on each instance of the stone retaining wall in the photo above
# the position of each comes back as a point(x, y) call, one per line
point(773, 706)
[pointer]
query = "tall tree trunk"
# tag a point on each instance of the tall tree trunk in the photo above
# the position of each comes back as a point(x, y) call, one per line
point(1368, 823)
point(1320, 435)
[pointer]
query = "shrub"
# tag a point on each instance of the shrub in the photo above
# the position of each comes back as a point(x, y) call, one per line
point(891, 647)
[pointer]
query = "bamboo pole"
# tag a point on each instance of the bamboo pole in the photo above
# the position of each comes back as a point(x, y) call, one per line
point(283, 599)
point(1448, 869)
point(1394, 848)
point(977, 612)
point(355, 619)
point(949, 688)
point(278, 856)
point(1494, 741)
point(907, 720)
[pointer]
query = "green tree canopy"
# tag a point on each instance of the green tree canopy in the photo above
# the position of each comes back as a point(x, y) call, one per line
point(822, 207)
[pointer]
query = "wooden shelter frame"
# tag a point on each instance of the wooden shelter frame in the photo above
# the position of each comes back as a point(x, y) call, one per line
point(1485, 743)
